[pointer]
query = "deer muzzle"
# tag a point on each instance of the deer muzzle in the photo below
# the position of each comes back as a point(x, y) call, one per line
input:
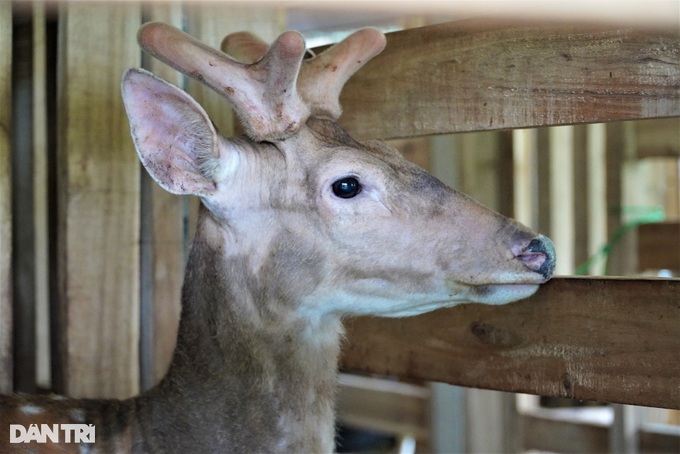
point(537, 254)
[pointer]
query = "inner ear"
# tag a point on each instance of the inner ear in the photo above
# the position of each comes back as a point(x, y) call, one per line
point(174, 138)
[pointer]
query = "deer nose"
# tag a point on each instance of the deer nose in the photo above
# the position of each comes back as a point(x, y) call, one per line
point(538, 255)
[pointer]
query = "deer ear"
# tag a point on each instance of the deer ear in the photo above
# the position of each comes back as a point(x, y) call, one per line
point(174, 138)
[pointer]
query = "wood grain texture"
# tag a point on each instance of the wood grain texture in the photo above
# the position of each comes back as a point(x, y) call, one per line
point(163, 239)
point(5, 198)
point(479, 75)
point(98, 202)
point(612, 340)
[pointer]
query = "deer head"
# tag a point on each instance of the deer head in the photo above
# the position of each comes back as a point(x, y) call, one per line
point(344, 226)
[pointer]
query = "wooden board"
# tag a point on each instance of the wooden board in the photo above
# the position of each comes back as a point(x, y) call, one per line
point(98, 203)
point(481, 74)
point(659, 246)
point(163, 243)
point(5, 199)
point(612, 340)
point(659, 138)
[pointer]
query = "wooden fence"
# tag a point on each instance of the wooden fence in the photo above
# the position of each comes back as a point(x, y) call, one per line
point(109, 271)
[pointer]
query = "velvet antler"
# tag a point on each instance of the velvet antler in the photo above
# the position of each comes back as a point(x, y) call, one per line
point(322, 77)
point(264, 94)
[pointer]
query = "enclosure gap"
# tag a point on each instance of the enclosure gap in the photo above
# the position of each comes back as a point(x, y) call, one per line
point(23, 265)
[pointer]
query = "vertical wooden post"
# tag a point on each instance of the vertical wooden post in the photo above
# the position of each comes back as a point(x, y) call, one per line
point(622, 260)
point(5, 199)
point(597, 192)
point(98, 202)
point(525, 179)
point(562, 196)
point(40, 200)
point(480, 162)
point(581, 184)
point(163, 243)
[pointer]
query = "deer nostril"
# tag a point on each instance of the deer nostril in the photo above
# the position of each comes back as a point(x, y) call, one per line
point(539, 256)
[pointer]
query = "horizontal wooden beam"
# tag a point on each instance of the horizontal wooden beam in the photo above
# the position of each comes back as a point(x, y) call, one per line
point(477, 75)
point(610, 340)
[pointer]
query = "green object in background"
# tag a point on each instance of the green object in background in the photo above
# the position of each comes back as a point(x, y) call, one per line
point(640, 215)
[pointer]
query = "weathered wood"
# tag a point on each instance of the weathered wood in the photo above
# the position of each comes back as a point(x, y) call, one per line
point(659, 246)
point(98, 203)
point(163, 243)
point(481, 74)
point(612, 340)
point(5, 198)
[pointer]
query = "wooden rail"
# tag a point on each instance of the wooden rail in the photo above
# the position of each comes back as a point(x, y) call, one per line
point(98, 204)
point(5, 200)
point(611, 340)
point(476, 75)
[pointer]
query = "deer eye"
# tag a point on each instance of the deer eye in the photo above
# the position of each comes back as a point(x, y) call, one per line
point(346, 188)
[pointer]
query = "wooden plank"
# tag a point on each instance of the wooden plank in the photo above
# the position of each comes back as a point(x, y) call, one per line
point(612, 340)
point(483, 74)
point(163, 243)
point(581, 196)
point(659, 246)
point(40, 200)
point(23, 260)
point(5, 199)
point(525, 178)
point(479, 156)
point(620, 143)
point(562, 205)
point(658, 138)
point(98, 202)
point(549, 435)
point(596, 182)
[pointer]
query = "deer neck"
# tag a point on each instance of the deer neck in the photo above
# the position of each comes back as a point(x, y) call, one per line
point(246, 367)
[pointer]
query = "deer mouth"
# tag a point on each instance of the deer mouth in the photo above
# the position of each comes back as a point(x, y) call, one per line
point(497, 294)
point(494, 294)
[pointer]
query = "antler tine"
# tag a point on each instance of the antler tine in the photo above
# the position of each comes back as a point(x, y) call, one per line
point(263, 94)
point(322, 77)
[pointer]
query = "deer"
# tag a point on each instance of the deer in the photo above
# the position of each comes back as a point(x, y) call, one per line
point(300, 226)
